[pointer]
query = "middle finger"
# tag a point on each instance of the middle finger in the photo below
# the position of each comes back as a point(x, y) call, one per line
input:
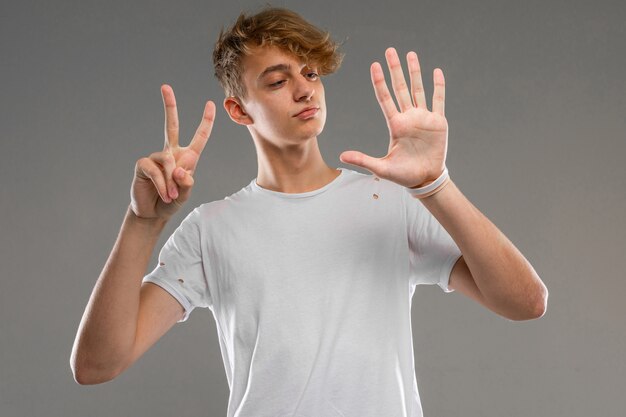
point(415, 75)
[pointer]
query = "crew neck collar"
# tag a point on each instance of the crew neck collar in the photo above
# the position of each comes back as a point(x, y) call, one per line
point(331, 184)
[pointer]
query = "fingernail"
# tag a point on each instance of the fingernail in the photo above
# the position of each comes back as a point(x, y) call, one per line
point(173, 192)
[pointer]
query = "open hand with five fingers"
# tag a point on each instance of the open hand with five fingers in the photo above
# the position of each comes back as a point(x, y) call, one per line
point(418, 137)
point(163, 180)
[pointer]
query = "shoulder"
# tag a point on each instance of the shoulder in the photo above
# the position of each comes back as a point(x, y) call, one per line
point(221, 210)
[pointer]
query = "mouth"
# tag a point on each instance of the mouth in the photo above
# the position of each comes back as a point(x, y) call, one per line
point(309, 111)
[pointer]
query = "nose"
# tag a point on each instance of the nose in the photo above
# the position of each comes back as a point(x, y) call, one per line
point(304, 90)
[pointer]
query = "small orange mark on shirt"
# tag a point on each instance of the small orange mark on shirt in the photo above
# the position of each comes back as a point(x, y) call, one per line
point(181, 280)
point(375, 196)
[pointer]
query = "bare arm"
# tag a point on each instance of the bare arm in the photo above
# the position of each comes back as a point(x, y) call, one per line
point(123, 318)
point(106, 333)
point(506, 281)
point(492, 270)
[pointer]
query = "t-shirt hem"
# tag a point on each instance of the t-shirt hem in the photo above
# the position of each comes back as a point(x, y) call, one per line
point(446, 270)
point(174, 292)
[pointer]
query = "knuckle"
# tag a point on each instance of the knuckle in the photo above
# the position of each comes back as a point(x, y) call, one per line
point(154, 173)
point(168, 159)
point(203, 131)
point(401, 85)
point(145, 164)
point(140, 162)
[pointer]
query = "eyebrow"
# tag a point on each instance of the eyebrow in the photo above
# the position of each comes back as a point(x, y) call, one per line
point(278, 67)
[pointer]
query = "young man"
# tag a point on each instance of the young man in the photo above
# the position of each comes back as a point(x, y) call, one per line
point(309, 270)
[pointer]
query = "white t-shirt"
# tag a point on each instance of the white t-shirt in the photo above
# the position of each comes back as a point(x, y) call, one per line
point(311, 293)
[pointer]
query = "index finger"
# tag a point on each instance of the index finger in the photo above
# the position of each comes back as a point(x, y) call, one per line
point(171, 117)
point(199, 140)
point(382, 92)
point(398, 81)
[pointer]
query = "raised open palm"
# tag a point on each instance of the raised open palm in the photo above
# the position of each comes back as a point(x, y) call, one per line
point(418, 138)
point(163, 180)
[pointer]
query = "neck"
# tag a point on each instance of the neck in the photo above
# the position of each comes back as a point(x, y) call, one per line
point(292, 168)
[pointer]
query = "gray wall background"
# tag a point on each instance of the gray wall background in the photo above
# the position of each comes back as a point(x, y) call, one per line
point(535, 103)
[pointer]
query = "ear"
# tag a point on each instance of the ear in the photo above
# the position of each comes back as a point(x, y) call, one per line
point(236, 111)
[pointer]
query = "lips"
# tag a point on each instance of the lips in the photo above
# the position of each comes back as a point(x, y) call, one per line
point(309, 111)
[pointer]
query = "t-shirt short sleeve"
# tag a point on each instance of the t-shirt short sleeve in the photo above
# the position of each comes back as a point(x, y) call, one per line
point(432, 251)
point(180, 270)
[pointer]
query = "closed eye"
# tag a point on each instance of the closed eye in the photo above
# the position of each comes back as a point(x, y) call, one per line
point(310, 75)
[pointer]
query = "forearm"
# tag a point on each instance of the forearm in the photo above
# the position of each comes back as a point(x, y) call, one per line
point(106, 333)
point(504, 277)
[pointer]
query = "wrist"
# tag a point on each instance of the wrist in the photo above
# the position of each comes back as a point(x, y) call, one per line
point(427, 183)
point(422, 185)
point(151, 222)
point(430, 187)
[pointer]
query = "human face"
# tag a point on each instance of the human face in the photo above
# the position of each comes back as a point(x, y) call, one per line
point(279, 87)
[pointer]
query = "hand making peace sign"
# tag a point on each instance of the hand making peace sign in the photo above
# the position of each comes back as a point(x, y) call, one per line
point(163, 181)
point(418, 137)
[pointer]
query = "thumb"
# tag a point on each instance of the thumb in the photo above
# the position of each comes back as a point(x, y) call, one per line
point(185, 182)
point(360, 159)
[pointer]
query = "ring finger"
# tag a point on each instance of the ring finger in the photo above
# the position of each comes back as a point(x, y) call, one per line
point(166, 160)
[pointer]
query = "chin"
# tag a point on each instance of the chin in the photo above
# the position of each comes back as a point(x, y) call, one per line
point(313, 133)
point(317, 128)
